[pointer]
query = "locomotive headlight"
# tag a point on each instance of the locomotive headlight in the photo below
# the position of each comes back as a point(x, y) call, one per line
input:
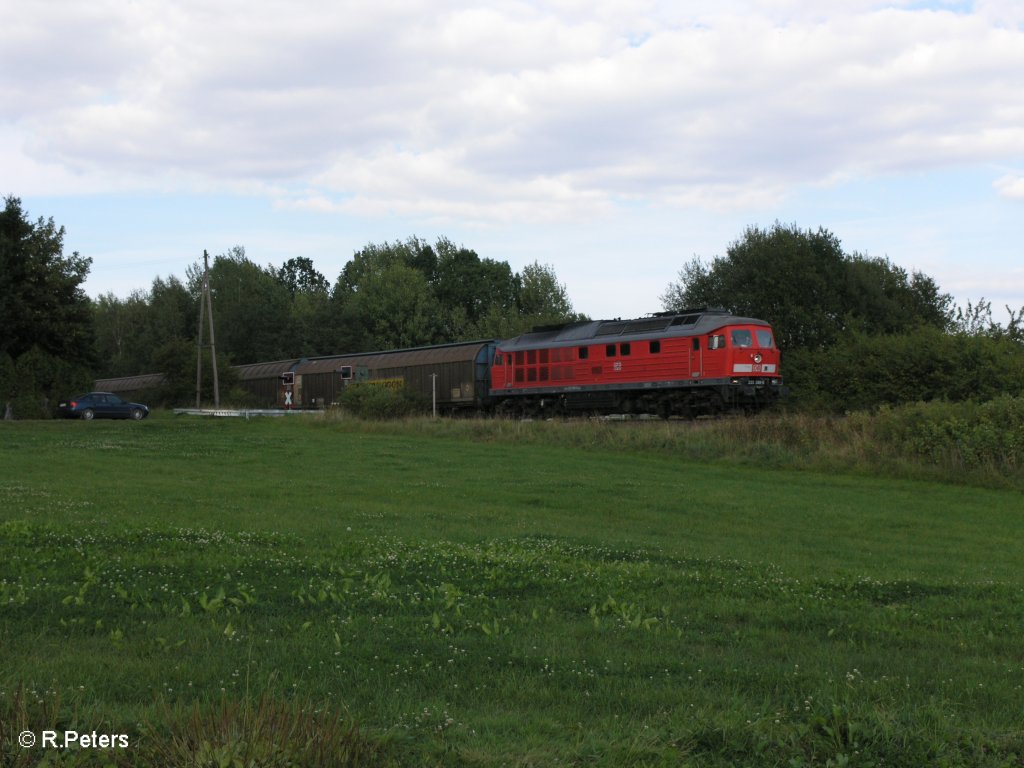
point(757, 358)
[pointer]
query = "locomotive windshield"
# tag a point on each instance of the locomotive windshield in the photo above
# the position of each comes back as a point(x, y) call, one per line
point(741, 337)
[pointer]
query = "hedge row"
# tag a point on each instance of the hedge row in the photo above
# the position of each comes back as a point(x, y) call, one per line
point(864, 372)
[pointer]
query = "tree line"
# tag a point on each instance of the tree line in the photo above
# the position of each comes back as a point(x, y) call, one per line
point(856, 331)
point(390, 295)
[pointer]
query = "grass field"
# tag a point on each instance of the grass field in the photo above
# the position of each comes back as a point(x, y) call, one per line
point(305, 591)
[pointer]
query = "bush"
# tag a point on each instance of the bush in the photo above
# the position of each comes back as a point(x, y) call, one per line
point(866, 372)
point(969, 435)
point(33, 384)
point(372, 401)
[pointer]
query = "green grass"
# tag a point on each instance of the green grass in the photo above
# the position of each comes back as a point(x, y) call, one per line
point(493, 593)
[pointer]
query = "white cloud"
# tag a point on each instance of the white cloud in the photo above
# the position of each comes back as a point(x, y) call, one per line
point(557, 109)
point(1011, 185)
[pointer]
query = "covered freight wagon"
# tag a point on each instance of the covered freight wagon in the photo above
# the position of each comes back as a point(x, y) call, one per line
point(268, 384)
point(461, 371)
point(131, 387)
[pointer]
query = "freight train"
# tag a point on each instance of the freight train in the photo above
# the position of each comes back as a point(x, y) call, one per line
point(687, 363)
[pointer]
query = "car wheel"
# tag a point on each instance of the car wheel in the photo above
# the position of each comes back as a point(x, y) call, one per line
point(137, 414)
point(88, 414)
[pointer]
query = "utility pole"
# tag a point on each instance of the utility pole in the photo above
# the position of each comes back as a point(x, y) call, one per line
point(205, 299)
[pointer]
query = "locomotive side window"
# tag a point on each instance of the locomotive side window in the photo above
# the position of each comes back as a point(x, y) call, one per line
point(696, 345)
point(655, 347)
point(584, 353)
point(609, 350)
point(624, 349)
point(716, 342)
point(497, 359)
point(764, 338)
point(742, 338)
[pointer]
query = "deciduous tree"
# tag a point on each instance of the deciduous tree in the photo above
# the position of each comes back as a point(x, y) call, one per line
point(251, 307)
point(809, 289)
point(42, 302)
point(46, 333)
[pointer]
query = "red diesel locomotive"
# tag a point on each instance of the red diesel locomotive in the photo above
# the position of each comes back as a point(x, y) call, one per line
point(687, 364)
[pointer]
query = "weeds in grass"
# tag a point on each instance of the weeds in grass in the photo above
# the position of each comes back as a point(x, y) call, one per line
point(266, 733)
point(24, 710)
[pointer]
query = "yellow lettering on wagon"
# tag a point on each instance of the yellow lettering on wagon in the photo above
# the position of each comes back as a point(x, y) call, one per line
point(393, 384)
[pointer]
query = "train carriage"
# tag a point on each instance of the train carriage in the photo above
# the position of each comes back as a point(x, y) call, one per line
point(271, 384)
point(131, 387)
point(461, 372)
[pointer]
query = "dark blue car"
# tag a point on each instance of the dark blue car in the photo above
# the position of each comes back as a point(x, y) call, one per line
point(101, 405)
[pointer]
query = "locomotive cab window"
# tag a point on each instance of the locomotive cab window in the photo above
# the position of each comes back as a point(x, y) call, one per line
point(742, 338)
point(764, 338)
point(716, 342)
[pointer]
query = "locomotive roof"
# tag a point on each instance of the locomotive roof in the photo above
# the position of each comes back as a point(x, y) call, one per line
point(686, 323)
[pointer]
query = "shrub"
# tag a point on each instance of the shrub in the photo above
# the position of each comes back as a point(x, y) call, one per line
point(866, 372)
point(959, 435)
point(372, 401)
point(34, 383)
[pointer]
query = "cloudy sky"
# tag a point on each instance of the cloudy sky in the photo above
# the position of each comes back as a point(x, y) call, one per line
point(612, 139)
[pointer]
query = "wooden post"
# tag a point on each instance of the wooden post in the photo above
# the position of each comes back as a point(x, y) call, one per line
point(207, 299)
point(199, 344)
